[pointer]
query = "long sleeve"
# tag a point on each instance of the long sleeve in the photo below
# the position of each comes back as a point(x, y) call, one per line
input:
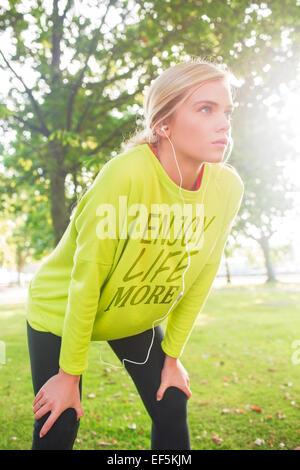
point(87, 279)
point(92, 262)
point(182, 319)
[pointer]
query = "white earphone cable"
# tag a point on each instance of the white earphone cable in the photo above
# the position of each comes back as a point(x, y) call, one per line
point(181, 294)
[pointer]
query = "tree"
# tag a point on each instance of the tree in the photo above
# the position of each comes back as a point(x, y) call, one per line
point(91, 74)
point(262, 150)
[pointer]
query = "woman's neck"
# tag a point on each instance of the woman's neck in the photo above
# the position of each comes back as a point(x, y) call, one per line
point(188, 167)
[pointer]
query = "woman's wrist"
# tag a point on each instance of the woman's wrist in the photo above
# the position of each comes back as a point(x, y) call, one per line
point(170, 359)
point(71, 377)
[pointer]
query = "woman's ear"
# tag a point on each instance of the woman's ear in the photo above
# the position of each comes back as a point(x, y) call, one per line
point(162, 130)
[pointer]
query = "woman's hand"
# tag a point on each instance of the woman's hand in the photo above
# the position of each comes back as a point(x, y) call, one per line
point(173, 374)
point(56, 395)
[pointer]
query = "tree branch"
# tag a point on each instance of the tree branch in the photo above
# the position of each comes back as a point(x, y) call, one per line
point(104, 82)
point(93, 45)
point(68, 6)
point(31, 97)
point(32, 126)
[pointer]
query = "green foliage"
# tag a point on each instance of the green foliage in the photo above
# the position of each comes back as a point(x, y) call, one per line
point(91, 75)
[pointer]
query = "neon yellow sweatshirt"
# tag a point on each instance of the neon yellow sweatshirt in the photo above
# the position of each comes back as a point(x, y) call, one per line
point(119, 264)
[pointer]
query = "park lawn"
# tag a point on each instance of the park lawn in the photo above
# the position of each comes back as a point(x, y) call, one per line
point(244, 376)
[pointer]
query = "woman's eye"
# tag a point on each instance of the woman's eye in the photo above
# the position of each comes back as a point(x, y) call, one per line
point(229, 113)
point(205, 107)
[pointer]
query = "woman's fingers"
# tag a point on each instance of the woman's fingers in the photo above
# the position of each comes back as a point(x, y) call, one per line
point(189, 393)
point(49, 423)
point(38, 396)
point(79, 412)
point(39, 404)
point(40, 412)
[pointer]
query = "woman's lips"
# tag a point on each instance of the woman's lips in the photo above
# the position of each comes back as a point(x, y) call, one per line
point(219, 144)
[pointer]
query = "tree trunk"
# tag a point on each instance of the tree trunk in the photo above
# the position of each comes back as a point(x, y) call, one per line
point(228, 278)
point(59, 212)
point(264, 243)
point(20, 263)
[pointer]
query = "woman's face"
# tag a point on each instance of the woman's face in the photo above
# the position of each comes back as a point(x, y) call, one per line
point(195, 126)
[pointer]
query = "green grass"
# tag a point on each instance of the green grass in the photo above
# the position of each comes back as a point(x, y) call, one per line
point(239, 356)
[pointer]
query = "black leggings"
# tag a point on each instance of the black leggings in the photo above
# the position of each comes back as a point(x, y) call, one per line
point(169, 415)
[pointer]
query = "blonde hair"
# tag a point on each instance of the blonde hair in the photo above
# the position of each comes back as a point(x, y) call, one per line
point(168, 91)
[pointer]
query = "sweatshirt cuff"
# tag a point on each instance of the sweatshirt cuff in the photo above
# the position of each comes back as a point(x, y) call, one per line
point(169, 352)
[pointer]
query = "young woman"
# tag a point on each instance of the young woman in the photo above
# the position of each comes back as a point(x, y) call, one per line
point(115, 285)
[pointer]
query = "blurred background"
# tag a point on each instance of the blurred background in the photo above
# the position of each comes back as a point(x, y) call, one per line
point(73, 74)
point(73, 77)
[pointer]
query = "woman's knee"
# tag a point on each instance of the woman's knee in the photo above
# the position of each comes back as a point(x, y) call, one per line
point(61, 435)
point(172, 407)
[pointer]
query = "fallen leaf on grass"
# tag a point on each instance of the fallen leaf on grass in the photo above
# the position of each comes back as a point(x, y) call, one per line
point(256, 408)
point(127, 417)
point(225, 410)
point(131, 426)
point(103, 443)
point(259, 442)
point(91, 395)
point(217, 439)
point(280, 415)
point(239, 411)
point(110, 381)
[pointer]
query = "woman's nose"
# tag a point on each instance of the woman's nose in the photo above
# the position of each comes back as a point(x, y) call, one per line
point(224, 123)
